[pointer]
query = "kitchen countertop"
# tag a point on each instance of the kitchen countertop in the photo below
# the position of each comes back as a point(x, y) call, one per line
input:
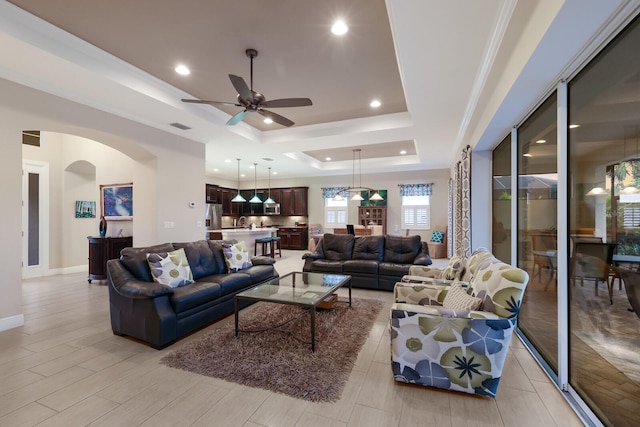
point(244, 230)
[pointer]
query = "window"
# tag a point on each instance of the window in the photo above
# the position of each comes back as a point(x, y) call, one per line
point(416, 213)
point(335, 213)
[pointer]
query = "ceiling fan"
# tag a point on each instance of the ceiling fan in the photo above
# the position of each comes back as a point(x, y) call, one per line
point(253, 101)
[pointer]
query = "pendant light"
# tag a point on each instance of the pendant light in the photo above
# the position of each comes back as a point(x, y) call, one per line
point(269, 199)
point(238, 197)
point(376, 196)
point(255, 198)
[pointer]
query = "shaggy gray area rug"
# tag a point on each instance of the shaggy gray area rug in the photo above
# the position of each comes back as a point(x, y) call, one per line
point(281, 360)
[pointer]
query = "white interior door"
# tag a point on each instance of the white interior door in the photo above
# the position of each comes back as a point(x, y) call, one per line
point(35, 218)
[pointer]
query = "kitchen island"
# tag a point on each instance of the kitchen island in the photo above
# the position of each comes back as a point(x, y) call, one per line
point(246, 235)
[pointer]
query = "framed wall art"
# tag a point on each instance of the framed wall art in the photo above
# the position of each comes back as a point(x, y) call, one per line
point(116, 201)
point(85, 209)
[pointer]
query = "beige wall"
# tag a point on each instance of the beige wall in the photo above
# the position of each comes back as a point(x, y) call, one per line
point(167, 172)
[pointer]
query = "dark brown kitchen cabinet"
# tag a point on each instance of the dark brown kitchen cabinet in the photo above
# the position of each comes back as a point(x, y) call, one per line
point(294, 238)
point(294, 201)
point(213, 194)
point(101, 250)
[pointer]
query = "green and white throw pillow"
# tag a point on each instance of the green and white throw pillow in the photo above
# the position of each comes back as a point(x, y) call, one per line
point(458, 299)
point(236, 256)
point(170, 268)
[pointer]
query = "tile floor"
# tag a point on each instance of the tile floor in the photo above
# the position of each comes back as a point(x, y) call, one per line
point(64, 367)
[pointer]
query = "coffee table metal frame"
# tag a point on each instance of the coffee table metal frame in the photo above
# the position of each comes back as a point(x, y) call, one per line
point(296, 288)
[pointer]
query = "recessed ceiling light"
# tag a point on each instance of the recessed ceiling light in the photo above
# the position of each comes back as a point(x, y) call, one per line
point(573, 126)
point(403, 152)
point(541, 141)
point(227, 161)
point(328, 159)
point(183, 70)
point(375, 103)
point(242, 175)
point(216, 170)
point(268, 121)
point(339, 28)
point(274, 173)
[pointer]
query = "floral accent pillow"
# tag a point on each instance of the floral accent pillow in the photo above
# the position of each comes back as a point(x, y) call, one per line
point(170, 268)
point(458, 299)
point(453, 271)
point(437, 236)
point(236, 256)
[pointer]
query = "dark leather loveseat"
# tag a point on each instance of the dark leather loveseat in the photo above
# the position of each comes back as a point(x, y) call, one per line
point(158, 314)
point(374, 262)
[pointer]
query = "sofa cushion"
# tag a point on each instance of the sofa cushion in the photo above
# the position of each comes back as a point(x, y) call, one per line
point(393, 269)
point(326, 266)
point(234, 282)
point(187, 297)
point(337, 248)
point(201, 259)
point(401, 250)
point(218, 254)
point(236, 256)
point(260, 273)
point(360, 266)
point(170, 268)
point(369, 247)
point(135, 259)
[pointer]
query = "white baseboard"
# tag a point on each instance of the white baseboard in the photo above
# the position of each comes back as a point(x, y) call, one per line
point(68, 270)
point(11, 322)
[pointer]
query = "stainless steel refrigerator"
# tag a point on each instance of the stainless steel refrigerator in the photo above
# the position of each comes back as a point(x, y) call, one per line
point(213, 218)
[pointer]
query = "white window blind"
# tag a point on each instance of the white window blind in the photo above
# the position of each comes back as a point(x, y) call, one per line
point(335, 213)
point(416, 212)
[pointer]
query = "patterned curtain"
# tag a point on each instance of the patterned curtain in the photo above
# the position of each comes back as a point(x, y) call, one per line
point(415, 189)
point(450, 205)
point(462, 205)
point(330, 192)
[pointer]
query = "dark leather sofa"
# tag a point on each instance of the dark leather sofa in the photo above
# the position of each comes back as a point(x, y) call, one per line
point(374, 262)
point(158, 314)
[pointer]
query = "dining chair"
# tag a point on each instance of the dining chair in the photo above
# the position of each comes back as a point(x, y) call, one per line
point(631, 279)
point(593, 261)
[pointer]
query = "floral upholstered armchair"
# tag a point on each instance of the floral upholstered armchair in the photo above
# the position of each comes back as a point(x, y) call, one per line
point(456, 336)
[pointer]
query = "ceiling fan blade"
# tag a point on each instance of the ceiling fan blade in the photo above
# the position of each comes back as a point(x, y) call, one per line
point(241, 87)
point(276, 117)
point(202, 101)
point(237, 118)
point(287, 102)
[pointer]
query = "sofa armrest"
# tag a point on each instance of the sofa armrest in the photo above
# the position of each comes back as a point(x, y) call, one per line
point(438, 311)
point(262, 260)
point(312, 255)
point(125, 283)
point(423, 257)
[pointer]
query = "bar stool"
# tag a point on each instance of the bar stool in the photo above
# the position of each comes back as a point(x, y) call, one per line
point(275, 244)
point(264, 241)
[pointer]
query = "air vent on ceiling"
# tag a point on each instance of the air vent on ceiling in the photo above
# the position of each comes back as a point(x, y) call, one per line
point(31, 137)
point(266, 159)
point(180, 126)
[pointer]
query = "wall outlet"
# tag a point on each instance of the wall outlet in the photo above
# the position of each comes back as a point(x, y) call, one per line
point(198, 223)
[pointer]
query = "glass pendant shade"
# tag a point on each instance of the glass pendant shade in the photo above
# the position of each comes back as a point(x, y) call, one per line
point(255, 198)
point(376, 196)
point(269, 199)
point(238, 198)
point(357, 197)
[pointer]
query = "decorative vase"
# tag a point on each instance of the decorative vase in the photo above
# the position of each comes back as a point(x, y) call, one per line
point(103, 226)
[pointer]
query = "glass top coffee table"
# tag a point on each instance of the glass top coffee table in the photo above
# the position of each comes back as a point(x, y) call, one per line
point(297, 288)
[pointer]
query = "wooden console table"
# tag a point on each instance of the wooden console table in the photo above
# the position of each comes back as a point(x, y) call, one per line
point(101, 250)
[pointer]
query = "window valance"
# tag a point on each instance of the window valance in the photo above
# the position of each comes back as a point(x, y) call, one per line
point(415, 189)
point(331, 192)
